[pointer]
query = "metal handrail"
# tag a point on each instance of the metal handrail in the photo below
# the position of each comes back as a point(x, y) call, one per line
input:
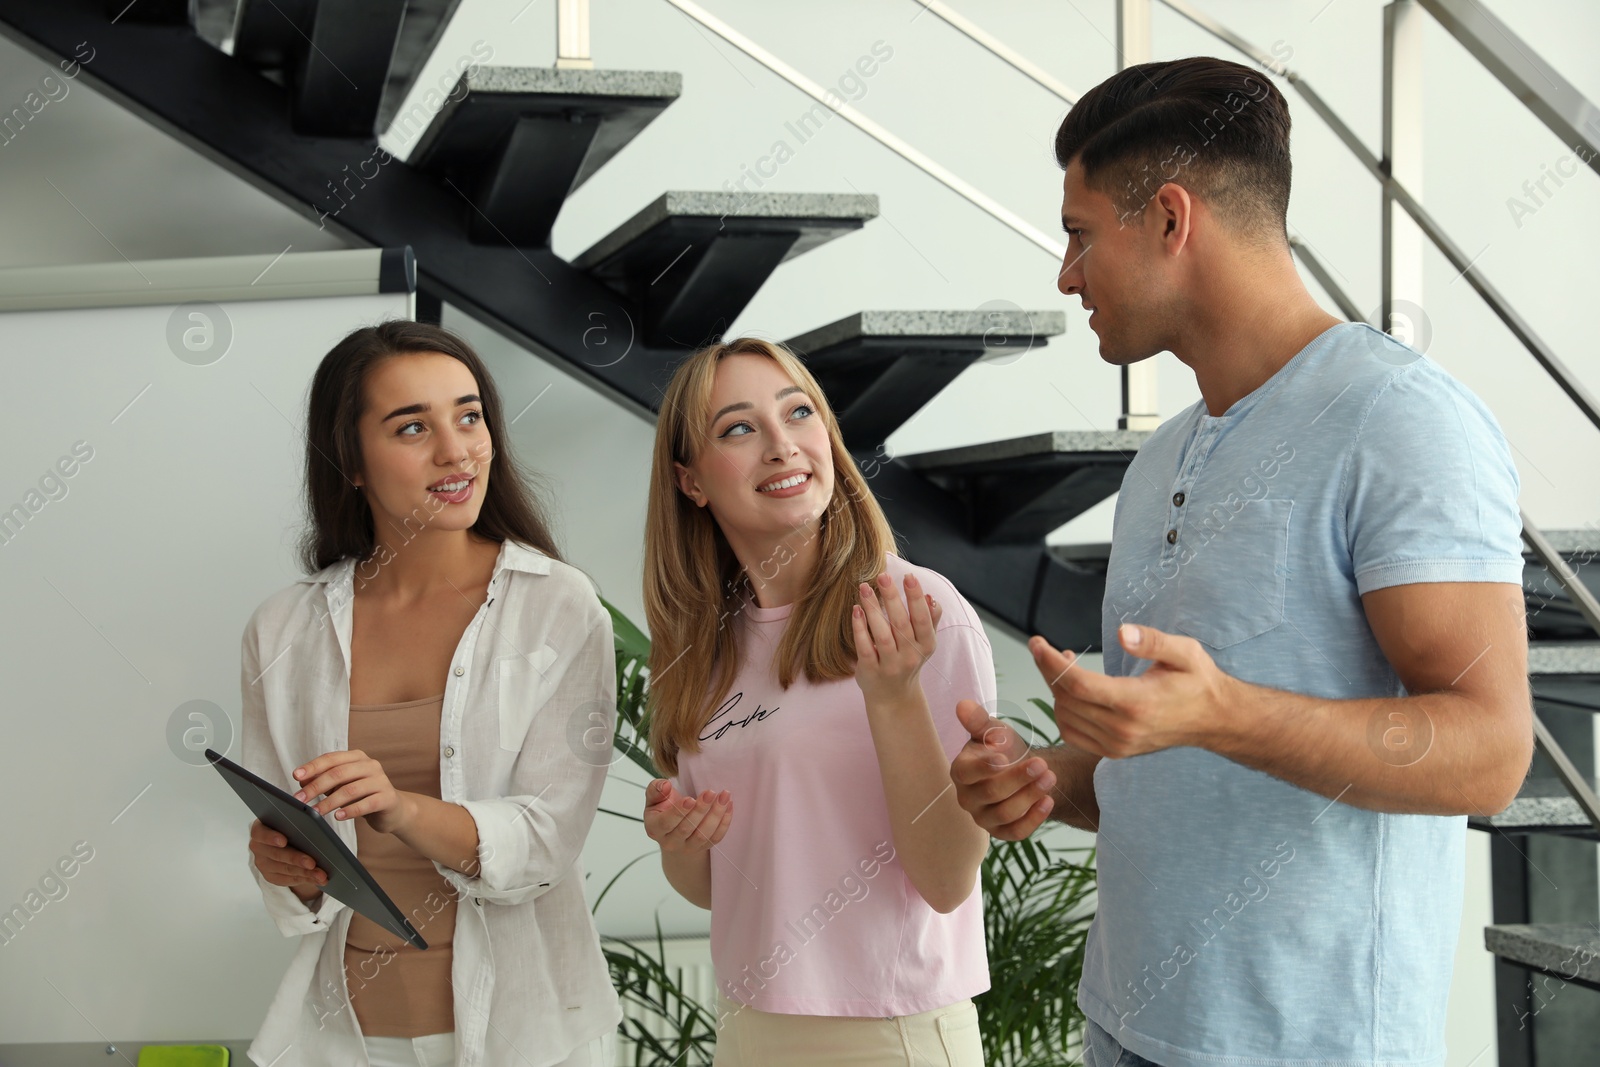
point(1325, 279)
point(1551, 98)
point(1569, 774)
point(1502, 308)
point(1571, 778)
point(1001, 50)
point(1518, 326)
point(1585, 602)
point(1499, 305)
point(1342, 129)
point(895, 144)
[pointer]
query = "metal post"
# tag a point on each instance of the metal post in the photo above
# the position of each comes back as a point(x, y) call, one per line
point(1402, 161)
point(572, 35)
point(1140, 403)
point(1513, 985)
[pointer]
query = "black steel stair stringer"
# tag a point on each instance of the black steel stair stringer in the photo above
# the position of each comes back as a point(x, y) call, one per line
point(224, 109)
point(228, 112)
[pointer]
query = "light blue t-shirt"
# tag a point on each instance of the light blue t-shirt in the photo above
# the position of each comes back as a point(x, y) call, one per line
point(1242, 920)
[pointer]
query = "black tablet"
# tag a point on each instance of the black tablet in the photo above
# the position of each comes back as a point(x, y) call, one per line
point(309, 832)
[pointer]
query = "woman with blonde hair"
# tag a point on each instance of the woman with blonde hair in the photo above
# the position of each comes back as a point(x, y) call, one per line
point(808, 712)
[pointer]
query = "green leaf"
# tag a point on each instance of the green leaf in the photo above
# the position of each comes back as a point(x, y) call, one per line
point(627, 637)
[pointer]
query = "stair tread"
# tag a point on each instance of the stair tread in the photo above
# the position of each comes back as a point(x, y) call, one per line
point(880, 367)
point(1056, 442)
point(499, 95)
point(1569, 541)
point(823, 208)
point(1564, 657)
point(546, 81)
point(1568, 949)
point(521, 139)
point(935, 323)
point(1540, 803)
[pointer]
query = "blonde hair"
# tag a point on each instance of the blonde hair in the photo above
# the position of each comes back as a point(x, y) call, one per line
point(694, 584)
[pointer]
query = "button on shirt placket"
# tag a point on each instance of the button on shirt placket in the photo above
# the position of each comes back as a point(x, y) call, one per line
point(451, 784)
point(1200, 445)
point(319, 684)
point(449, 749)
point(452, 772)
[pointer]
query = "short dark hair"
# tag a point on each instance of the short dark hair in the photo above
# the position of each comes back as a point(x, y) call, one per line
point(1219, 129)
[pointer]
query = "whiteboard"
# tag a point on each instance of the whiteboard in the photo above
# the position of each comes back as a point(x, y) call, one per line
point(159, 471)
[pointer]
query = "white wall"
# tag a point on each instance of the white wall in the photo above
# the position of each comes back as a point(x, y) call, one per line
point(126, 594)
point(930, 249)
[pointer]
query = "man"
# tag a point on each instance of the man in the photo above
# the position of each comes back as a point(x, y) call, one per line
point(1315, 651)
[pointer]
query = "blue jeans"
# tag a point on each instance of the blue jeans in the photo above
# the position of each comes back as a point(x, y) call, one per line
point(1100, 1049)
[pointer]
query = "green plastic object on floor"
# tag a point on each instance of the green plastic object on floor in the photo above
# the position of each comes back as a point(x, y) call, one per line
point(183, 1056)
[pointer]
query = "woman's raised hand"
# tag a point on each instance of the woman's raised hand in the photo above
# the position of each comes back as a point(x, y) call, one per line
point(685, 824)
point(894, 636)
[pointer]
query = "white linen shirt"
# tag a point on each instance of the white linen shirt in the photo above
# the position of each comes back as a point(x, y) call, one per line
point(531, 678)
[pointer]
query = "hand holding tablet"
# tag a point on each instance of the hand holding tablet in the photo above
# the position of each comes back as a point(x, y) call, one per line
point(304, 830)
point(285, 866)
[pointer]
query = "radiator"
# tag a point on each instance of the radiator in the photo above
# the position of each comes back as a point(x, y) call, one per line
point(688, 960)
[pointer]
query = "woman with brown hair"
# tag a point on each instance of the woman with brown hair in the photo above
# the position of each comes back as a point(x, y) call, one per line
point(418, 686)
point(808, 712)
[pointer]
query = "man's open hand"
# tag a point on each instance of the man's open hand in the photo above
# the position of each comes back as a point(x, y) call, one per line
point(1181, 699)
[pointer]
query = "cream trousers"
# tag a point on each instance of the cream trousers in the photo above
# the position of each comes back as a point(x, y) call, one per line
point(943, 1037)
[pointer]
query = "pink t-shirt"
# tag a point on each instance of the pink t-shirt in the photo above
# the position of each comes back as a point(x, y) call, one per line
point(812, 913)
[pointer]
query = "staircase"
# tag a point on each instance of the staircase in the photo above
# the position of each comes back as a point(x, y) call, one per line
point(476, 202)
point(1545, 936)
point(487, 180)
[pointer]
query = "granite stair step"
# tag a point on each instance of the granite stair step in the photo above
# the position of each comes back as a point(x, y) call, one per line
point(1021, 489)
point(693, 260)
point(517, 141)
point(1570, 951)
point(1566, 673)
point(879, 368)
point(1542, 806)
point(1551, 614)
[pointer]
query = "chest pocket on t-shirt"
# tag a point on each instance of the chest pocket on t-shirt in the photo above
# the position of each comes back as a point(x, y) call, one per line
point(525, 682)
point(1232, 589)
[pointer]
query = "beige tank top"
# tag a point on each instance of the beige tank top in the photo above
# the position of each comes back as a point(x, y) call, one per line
point(398, 990)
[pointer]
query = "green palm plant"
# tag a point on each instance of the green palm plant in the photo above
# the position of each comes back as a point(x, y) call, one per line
point(1036, 917)
point(681, 1032)
point(1037, 906)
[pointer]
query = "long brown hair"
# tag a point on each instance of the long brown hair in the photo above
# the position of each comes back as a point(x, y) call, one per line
point(694, 585)
point(339, 520)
